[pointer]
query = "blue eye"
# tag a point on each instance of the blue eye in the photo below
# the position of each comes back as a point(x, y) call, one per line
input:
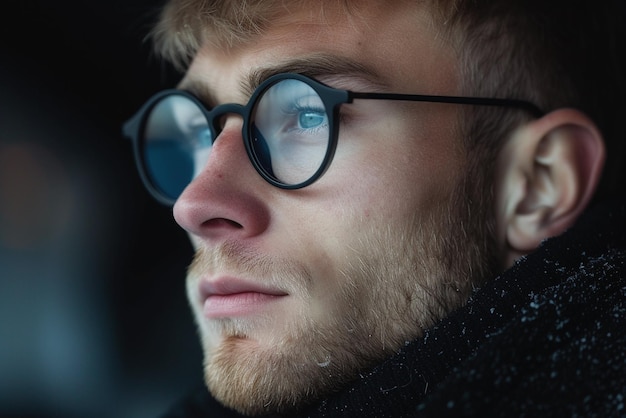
point(311, 119)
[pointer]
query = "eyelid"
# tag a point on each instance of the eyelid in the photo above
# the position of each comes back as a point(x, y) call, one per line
point(310, 100)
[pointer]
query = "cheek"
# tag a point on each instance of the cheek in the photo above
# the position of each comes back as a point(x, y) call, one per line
point(406, 159)
point(389, 193)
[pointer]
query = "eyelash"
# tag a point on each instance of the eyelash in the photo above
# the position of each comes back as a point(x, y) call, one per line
point(297, 109)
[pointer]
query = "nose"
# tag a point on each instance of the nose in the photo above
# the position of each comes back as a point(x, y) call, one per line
point(224, 202)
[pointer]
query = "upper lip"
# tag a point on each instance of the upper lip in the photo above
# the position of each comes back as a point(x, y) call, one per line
point(230, 286)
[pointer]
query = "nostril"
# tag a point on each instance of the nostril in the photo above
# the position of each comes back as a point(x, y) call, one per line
point(221, 223)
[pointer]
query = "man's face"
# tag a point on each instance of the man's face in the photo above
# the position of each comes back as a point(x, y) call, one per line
point(294, 291)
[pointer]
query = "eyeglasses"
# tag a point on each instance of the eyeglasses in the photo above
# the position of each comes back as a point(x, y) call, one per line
point(290, 131)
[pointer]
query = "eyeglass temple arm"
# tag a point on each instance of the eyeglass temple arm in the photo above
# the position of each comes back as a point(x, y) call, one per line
point(479, 101)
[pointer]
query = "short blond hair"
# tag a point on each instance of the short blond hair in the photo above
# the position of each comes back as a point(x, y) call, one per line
point(184, 25)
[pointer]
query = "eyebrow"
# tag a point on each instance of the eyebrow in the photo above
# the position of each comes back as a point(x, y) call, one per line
point(315, 66)
point(328, 66)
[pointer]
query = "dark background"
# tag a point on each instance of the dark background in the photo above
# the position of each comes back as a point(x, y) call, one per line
point(93, 316)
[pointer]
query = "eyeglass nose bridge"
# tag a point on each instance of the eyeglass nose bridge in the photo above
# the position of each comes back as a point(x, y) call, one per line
point(217, 115)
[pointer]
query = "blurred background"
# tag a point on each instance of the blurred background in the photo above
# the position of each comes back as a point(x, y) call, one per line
point(93, 316)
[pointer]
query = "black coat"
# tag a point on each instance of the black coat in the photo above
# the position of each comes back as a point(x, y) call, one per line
point(546, 338)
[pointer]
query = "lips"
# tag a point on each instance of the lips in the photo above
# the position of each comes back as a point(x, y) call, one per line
point(232, 297)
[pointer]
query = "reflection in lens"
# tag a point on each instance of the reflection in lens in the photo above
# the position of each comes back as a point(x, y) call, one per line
point(177, 144)
point(290, 131)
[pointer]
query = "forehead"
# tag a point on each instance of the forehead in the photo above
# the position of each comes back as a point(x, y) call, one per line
point(384, 45)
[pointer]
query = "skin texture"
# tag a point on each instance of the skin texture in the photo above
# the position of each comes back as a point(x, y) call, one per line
point(340, 274)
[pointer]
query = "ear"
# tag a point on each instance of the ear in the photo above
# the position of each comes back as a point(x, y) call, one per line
point(547, 173)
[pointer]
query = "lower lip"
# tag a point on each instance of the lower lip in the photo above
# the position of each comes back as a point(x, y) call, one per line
point(237, 304)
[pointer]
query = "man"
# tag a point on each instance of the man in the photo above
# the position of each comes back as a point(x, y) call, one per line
point(371, 188)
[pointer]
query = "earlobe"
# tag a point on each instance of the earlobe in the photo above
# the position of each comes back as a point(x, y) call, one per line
point(549, 171)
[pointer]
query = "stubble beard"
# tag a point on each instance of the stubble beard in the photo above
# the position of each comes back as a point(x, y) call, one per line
point(397, 283)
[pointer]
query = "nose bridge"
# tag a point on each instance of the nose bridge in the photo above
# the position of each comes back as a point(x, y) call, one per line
point(221, 202)
point(217, 118)
point(230, 150)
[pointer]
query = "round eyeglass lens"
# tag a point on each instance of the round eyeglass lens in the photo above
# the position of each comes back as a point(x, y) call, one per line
point(290, 132)
point(177, 142)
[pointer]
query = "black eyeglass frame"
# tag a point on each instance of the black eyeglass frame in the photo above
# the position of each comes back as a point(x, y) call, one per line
point(332, 99)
